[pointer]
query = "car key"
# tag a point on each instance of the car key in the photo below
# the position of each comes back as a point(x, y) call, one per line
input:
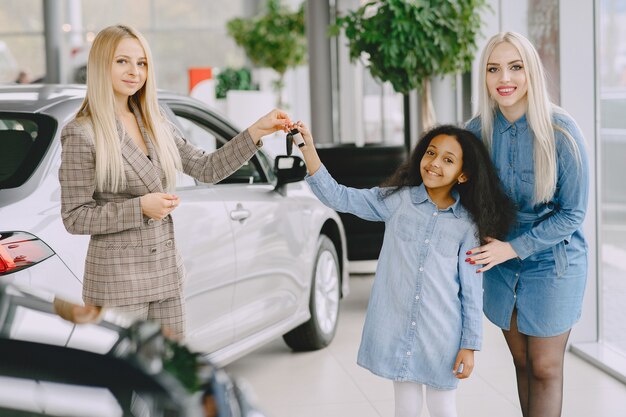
point(289, 143)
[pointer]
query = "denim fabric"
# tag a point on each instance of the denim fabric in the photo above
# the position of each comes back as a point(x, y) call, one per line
point(426, 301)
point(546, 283)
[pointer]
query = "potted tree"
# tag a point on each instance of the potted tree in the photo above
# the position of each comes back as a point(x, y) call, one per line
point(409, 42)
point(405, 42)
point(274, 40)
point(233, 79)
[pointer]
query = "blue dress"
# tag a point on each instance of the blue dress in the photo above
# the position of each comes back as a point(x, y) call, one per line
point(546, 283)
point(426, 302)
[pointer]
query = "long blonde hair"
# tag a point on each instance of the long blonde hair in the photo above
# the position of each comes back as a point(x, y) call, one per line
point(99, 109)
point(538, 113)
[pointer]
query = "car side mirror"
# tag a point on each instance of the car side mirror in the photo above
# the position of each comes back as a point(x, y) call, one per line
point(289, 169)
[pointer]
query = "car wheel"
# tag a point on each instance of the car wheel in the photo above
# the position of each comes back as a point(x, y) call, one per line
point(323, 303)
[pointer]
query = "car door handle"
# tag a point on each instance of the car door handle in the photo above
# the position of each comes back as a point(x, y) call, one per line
point(239, 213)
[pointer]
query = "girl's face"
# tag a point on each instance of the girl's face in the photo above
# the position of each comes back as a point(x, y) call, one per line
point(506, 80)
point(442, 164)
point(129, 68)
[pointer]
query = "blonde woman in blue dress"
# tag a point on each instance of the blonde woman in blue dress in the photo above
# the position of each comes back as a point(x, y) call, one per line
point(424, 316)
point(534, 279)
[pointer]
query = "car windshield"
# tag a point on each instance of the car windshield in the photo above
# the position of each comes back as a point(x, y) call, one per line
point(24, 140)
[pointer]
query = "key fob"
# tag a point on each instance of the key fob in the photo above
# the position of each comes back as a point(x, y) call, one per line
point(289, 143)
point(297, 137)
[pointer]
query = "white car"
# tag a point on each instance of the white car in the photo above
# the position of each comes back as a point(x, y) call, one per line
point(264, 258)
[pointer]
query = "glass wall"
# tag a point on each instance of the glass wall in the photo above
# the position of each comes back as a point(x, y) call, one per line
point(612, 172)
point(369, 111)
point(21, 39)
point(182, 35)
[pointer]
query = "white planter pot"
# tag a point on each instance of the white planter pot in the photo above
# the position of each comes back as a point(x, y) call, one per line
point(245, 107)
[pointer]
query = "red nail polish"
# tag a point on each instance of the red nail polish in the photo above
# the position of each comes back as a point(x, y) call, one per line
point(467, 260)
point(469, 252)
point(472, 262)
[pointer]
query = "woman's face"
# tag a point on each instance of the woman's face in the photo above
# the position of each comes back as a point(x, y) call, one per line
point(129, 68)
point(506, 80)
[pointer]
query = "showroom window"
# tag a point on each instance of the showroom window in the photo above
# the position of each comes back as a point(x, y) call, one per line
point(611, 173)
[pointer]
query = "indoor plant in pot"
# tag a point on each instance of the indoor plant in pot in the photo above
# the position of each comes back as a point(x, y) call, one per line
point(409, 42)
point(274, 40)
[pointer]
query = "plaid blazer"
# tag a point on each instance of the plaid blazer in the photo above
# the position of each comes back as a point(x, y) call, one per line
point(131, 259)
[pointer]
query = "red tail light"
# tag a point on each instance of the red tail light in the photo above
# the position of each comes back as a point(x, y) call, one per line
point(19, 250)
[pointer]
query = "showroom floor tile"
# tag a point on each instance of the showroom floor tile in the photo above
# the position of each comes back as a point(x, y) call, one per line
point(328, 383)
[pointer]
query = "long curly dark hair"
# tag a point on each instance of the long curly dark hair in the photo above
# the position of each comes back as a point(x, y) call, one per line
point(482, 194)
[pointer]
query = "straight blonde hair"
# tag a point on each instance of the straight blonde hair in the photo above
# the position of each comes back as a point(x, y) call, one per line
point(539, 113)
point(98, 108)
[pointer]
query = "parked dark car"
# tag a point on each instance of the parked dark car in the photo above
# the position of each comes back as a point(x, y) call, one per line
point(362, 167)
point(115, 368)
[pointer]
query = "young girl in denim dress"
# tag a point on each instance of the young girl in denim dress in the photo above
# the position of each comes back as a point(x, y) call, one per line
point(424, 317)
point(534, 279)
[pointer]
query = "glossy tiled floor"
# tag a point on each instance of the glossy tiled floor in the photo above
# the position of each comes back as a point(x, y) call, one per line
point(328, 383)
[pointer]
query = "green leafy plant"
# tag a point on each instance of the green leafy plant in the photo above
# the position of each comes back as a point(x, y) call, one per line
point(274, 40)
point(233, 79)
point(182, 364)
point(408, 42)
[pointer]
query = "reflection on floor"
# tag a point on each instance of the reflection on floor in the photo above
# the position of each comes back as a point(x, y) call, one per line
point(328, 383)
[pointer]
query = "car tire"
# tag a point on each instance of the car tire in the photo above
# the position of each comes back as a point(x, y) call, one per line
point(319, 331)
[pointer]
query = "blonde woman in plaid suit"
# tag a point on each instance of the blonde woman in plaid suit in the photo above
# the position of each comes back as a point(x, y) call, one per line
point(119, 162)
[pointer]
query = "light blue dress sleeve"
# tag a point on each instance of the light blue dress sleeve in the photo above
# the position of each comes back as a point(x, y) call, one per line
point(367, 203)
point(570, 201)
point(471, 296)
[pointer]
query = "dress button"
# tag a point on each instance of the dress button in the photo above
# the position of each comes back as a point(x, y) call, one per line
point(421, 269)
point(426, 241)
point(435, 213)
point(150, 222)
point(169, 243)
point(412, 323)
point(417, 297)
point(517, 274)
point(153, 250)
point(408, 354)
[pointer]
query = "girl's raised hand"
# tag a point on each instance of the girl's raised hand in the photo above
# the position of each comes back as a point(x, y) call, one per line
point(492, 253)
point(304, 131)
point(311, 158)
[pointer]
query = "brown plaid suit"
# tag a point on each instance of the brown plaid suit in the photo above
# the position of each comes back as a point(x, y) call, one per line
point(131, 259)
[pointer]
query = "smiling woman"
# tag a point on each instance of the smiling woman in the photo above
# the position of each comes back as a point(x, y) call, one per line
point(119, 164)
point(534, 278)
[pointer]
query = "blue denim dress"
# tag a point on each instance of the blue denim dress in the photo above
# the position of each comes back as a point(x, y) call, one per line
point(546, 283)
point(426, 302)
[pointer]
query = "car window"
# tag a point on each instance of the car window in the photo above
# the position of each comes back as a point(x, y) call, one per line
point(24, 140)
point(268, 165)
point(203, 137)
point(199, 137)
